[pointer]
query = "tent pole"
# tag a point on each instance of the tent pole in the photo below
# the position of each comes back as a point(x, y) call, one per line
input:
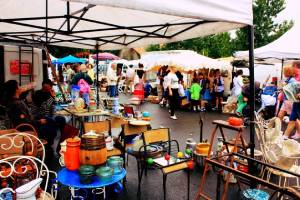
point(252, 98)
point(97, 75)
point(281, 73)
point(68, 17)
point(46, 30)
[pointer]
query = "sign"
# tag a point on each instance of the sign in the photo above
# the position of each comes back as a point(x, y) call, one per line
point(25, 67)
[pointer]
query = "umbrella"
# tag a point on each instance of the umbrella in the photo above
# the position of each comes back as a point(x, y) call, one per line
point(105, 56)
point(71, 59)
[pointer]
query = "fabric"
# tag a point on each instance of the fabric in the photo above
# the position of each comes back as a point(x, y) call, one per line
point(206, 95)
point(195, 91)
point(295, 114)
point(91, 74)
point(172, 81)
point(43, 104)
point(287, 106)
point(84, 87)
point(19, 113)
point(174, 101)
point(237, 86)
point(81, 75)
point(130, 73)
point(222, 16)
point(181, 91)
point(112, 77)
point(219, 84)
point(112, 90)
point(241, 104)
point(284, 47)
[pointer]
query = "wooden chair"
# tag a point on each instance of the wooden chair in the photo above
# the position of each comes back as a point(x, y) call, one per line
point(161, 137)
point(117, 122)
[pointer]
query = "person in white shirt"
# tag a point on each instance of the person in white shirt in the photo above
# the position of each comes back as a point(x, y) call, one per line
point(173, 86)
point(112, 79)
point(218, 89)
point(237, 83)
point(130, 73)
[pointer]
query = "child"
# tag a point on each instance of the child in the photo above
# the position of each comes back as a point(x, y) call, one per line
point(195, 94)
point(147, 89)
point(205, 93)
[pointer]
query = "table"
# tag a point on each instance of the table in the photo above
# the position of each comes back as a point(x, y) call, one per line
point(64, 175)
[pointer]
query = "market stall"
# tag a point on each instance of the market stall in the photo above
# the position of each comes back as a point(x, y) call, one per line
point(106, 24)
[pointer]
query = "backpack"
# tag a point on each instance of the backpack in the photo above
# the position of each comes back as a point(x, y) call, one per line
point(84, 87)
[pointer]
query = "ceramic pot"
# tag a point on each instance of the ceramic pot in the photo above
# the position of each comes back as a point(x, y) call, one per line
point(71, 156)
point(105, 173)
point(116, 162)
point(27, 191)
point(86, 173)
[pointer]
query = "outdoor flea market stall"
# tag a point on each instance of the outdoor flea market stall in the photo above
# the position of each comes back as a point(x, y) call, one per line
point(101, 138)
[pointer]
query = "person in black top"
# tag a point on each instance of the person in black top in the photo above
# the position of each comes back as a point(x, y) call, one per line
point(19, 112)
point(140, 71)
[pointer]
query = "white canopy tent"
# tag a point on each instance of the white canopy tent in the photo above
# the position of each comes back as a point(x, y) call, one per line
point(115, 24)
point(186, 60)
point(284, 48)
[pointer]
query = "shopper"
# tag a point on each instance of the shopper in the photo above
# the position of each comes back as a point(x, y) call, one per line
point(218, 86)
point(206, 96)
point(18, 111)
point(129, 77)
point(112, 79)
point(237, 83)
point(173, 91)
point(195, 91)
point(82, 74)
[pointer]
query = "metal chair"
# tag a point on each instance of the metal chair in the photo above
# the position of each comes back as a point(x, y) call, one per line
point(162, 138)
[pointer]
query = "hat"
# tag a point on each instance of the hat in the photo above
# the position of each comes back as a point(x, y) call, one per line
point(48, 81)
point(83, 68)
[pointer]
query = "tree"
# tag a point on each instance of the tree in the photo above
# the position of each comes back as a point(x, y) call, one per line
point(266, 29)
point(214, 46)
point(222, 45)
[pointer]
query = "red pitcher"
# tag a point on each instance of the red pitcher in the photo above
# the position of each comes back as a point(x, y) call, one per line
point(71, 156)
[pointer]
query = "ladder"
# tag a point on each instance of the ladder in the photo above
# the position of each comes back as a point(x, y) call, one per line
point(53, 70)
point(28, 76)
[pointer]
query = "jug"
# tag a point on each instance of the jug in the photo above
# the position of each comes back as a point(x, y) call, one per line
point(71, 156)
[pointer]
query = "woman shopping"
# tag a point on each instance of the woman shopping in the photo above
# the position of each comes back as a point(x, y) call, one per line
point(173, 86)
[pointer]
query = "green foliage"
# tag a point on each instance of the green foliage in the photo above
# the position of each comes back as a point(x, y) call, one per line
point(222, 45)
point(213, 46)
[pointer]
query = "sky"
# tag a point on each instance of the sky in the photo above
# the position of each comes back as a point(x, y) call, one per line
point(291, 11)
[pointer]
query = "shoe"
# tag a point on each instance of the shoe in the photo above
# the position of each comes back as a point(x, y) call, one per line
point(296, 136)
point(215, 108)
point(285, 137)
point(173, 117)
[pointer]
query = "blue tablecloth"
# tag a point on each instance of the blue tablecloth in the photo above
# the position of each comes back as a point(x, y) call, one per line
point(71, 179)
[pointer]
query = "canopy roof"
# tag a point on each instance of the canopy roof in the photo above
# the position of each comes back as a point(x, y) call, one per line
point(184, 59)
point(115, 24)
point(70, 59)
point(285, 47)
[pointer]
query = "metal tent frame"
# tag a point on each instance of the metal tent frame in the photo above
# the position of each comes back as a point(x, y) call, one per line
point(32, 37)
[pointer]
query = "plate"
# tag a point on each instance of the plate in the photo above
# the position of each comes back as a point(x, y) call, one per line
point(139, 122)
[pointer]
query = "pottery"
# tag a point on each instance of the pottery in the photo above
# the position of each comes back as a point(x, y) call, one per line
point(105, 173)
point(202, 148)
point(71, 156)
point(27, 191)
point(116, 162)
point(86, 173)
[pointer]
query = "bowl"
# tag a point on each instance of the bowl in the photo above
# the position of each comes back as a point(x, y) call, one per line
point(86, 173)
point(202, 148)
point(235, 121)
point(116, 162)
point(105, 173)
